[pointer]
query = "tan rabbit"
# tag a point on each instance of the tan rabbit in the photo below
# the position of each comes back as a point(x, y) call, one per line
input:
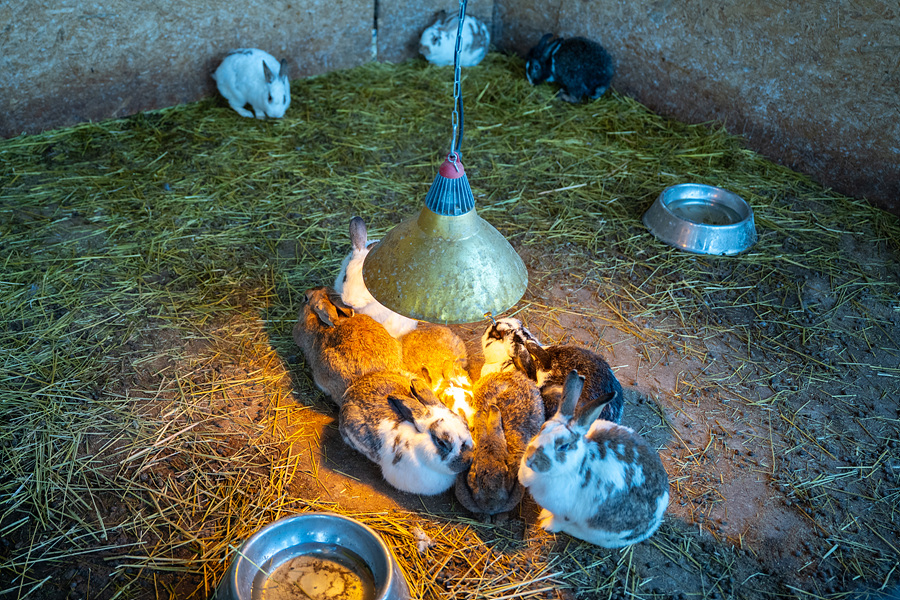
point(339, 345)
point(438, 355)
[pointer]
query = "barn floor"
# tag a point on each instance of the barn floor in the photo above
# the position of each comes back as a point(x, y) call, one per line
point(155, 411)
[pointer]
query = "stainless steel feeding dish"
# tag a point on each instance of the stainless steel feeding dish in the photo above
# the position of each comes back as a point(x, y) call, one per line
point(703, 219)
point(314, 556)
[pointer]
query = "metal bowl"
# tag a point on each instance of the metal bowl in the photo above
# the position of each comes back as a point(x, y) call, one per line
point(703, 219)
point(317, 556)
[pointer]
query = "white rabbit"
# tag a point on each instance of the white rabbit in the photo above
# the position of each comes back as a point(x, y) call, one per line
point(595, 480)
point(251, 76)
point(397, 422)
point(350, 285)
point(438, 41)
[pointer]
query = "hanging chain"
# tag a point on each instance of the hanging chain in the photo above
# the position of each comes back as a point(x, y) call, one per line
point(456, 119)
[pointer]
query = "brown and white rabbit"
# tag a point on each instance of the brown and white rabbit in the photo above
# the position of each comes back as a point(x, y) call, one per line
point(350, 285)
point(509, 413)
point(340, 345)
point(594, 479)
point(550, 365)
point(397, 422)
point(440, 357)
point(251, 76)
point(581, 67)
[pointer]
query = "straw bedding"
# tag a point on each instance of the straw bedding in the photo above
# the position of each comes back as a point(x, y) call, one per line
point(155, 411)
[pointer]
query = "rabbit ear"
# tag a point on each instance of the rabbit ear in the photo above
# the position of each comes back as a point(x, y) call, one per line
point(358, 233)
point(341, 308)
point(545, 41)
point(426, 374)
point(571, 393)
point(323, 315)
point(538, 352)
point(588, 412)
point(268, 73)
point(408, 409)
point(524, 362)
point(494, 420)
point(282, 69)
point(323, 309)
point(422, 392)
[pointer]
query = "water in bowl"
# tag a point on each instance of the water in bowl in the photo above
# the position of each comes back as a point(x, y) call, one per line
point(314, 571)
point(704, 212)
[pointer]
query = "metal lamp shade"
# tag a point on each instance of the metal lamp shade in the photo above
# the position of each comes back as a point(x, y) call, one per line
point(446, 268)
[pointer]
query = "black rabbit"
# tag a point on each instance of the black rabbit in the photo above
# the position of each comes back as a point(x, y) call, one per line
point(581, 67)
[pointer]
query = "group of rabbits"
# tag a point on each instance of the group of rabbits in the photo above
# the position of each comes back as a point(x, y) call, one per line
point(541, 418)
point(582, 68)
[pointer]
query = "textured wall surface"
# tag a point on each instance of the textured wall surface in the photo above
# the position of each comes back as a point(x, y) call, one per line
point(813, 85)
point(401, 23)
point(67, 61)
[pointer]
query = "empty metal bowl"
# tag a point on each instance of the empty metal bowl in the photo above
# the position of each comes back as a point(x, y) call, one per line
point(315, 556)
point(703, 219)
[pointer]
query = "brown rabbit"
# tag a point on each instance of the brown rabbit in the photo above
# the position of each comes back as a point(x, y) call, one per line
point(340, 345)
point(509, 413)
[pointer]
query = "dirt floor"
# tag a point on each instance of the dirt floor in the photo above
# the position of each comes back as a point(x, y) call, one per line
point(156, 411)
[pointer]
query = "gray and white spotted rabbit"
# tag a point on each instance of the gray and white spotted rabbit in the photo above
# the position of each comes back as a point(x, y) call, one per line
point(440, 357)
point(438, 42)
point(509, 413)
point(350, 285)
point(594, 479)
point(254, 77)
point(509, 344)
point(397, 422)
point(581, 67)
point(340, 345)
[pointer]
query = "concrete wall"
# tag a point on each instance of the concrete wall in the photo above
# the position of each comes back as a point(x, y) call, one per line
point(68, 61)
point(401, 22)
point(813, 85)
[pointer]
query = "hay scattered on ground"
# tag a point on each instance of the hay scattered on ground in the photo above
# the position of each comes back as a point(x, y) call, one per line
point(150, 275)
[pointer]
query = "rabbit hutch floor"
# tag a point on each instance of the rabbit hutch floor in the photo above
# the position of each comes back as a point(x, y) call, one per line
point(156, 411)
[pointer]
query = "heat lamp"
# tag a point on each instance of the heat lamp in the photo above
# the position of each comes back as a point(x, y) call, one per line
point(446, 264)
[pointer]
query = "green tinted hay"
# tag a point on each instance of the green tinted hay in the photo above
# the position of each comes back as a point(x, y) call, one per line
point(148, 248)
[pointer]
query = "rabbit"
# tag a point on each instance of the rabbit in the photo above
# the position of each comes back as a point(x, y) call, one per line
point(594, 479)
point(350, 285)
point(438, 41)
point(509, 413)
point(499, 341)
point(251, 76)
point(440, 357)
point(549, 365)
point(340, 345)
point(581, 67)
point(397, 422)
